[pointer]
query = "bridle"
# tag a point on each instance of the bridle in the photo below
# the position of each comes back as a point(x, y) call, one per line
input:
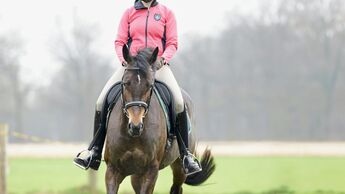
point(139, 103)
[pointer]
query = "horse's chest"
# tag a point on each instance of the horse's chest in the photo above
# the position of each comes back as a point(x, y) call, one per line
point(134, 161)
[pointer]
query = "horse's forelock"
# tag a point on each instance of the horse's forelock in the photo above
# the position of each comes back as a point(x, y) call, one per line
point(141, 61)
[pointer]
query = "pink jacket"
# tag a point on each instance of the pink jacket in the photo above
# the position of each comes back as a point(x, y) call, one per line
point(141, 28)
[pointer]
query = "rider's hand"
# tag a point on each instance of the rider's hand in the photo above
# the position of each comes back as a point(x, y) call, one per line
point(124, 64)
point(161, 63)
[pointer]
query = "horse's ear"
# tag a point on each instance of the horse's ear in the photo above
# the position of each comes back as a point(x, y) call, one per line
point(154, 56)
point(126, 54)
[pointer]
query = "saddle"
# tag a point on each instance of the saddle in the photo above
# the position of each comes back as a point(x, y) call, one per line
point(163, 95)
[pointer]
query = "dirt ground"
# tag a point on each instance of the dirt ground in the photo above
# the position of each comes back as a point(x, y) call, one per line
point(218, 149)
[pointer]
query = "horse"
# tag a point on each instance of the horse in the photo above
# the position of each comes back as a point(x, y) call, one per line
point(137, 133)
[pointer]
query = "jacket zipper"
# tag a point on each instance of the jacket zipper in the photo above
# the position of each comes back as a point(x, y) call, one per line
point(147, 21)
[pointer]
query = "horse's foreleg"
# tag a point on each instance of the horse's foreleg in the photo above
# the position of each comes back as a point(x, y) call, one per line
point(179, 177)
point(149, 180)
point(113, 180)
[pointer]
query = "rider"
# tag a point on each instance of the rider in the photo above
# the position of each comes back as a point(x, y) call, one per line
point(147, 24)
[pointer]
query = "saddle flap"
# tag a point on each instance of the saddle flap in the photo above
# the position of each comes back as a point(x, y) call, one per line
point(166, 101)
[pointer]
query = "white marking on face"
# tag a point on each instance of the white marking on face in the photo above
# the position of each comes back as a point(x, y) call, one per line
point(139, 79)
point(134, 120)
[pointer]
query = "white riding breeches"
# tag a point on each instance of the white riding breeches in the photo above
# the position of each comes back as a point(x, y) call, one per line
point(116, 77)
point(164, 74)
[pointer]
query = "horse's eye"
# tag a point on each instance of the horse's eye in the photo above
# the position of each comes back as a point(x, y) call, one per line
point(127, 83)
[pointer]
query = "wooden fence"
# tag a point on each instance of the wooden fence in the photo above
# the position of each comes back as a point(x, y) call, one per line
point(3, 158)
point(4, 134)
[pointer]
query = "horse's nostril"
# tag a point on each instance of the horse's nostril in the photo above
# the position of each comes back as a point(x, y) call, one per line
point(137, 127)
point(135, 130)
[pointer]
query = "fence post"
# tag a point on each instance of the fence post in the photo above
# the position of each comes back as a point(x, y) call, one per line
point(93, 181)
point(3, 158)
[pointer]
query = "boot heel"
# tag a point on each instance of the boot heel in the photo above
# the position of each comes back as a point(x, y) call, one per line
point(95, 164)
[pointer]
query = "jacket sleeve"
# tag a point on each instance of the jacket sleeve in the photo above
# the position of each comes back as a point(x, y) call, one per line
point(122, 35)
point(171, 37)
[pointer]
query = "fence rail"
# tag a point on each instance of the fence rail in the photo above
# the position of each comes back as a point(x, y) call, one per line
point(32, 138)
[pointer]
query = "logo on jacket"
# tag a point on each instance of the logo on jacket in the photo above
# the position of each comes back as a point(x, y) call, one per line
point(157, 16)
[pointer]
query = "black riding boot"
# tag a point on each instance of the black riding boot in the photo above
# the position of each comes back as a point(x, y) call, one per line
point(91, 158)
point(190, 163)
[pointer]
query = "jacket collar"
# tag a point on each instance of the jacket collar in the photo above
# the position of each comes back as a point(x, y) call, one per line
point(139, 5)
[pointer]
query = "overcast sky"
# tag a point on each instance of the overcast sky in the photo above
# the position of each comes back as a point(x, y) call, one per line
point(35, 21)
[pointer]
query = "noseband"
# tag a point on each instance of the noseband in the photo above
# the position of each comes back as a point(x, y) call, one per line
point(135, 103)
point(139, 103)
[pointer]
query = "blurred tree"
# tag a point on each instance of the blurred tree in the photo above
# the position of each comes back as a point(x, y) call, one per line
point(14, 92)
point(325, 32)
point(271, 78)
point(74, 89)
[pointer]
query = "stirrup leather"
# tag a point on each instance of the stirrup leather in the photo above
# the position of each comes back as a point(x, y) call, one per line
point(90, 160)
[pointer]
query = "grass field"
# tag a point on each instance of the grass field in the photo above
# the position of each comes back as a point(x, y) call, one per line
point(240, 175)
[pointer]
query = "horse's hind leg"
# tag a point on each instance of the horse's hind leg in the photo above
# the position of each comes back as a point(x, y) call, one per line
point(113, 180)
point(136, 181)
point(179, 177)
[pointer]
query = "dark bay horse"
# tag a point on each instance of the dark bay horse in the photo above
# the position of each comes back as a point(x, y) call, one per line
point(137, 133)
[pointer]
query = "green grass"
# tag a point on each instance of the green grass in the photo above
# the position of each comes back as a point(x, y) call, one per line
point(240, 175)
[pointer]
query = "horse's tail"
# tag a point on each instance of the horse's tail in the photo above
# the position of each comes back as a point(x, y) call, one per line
point(208, 167)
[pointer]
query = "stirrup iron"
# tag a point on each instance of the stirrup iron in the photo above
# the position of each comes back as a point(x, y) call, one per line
point(195, 160)
point(88, 165)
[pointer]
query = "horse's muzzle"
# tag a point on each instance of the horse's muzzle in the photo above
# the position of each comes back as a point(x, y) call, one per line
point(135, 130)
